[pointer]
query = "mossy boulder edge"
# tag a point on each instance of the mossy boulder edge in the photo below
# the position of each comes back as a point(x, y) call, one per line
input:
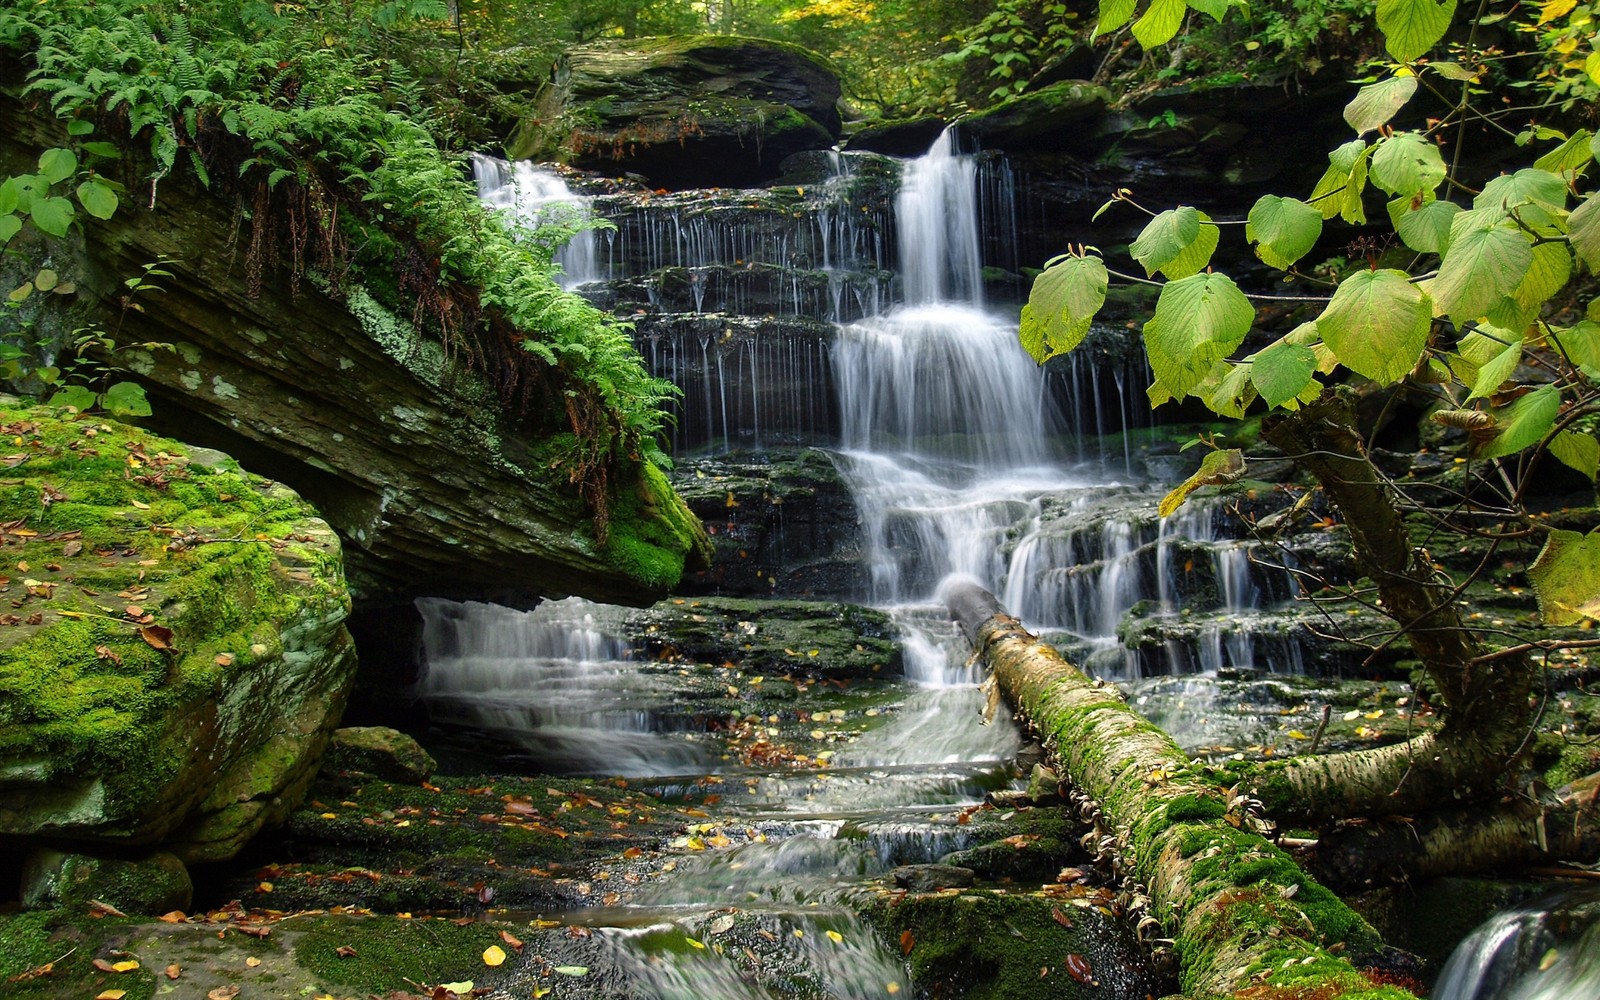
point(173, 657)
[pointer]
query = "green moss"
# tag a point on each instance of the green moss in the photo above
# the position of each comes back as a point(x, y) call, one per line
point(1194, 807)
point(393, 954)
point(70, 944)
point(653, 532)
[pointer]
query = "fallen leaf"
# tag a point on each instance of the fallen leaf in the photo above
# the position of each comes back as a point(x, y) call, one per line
point(1061, 918)
point(160, 637)
point(110, 995)
point(141, 506)
point(494, 955)
point(459, 989)
point(71, 549)
point(102, 965)
point(224, 659)
point(252, 961)
point(174, 970)
point(126, 965)
point(514, 942)
point(1078, 968)
point(345, 951)
point(173, 917)
point(721, 925)
point(907, 942)
point(579, 970)
point(223, 992)
point(835, 937)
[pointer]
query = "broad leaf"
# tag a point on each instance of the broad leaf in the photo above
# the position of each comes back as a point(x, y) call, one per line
point(1578, 451)
point(127, 399)
point(52, 215)
point(10, 226)
point(1547, 275)
point(1283, 229)
point(1482, 264)
point(1424, 228)
point(1377, 324)
point(97, 199)
point(1199, 320)
point(1581, 345)
point(1063, 302)
point(1218, 468)
point(1583, 229)
point(1178, 242)
point(1411, 27)
point(1523, 423)
point(1376, 103)
point(1407, 164)
point(1567, 159)
point(57, 164)
point(1113, 15)
point(1282, 371)
point(1160, 22)
point(1216, 9)
point(1492, 355)
point(80, 397)
point(1228, 390)
point(1566, 578)
point(1454, 71)
point(1534, 196)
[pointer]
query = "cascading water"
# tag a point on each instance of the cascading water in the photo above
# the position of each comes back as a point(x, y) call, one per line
point(1548, 950)
point(538, 198)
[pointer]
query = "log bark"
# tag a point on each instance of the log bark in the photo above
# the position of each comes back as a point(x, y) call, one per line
point(1246, 920)
point(1486, 713)
point(1513, 834)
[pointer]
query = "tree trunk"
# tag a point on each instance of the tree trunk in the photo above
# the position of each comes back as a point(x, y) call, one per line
point(1244, 916)
point(1486, 713)
point(1516, 833)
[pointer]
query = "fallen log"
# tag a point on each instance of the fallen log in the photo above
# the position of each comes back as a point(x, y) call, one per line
point(1245, 919)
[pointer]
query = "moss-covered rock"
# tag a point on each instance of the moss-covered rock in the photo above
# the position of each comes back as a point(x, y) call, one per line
point(685, 111)
point(1047, 117)
point(174, 656)
point(381, 752)
point(771, 637)
point(156, 883)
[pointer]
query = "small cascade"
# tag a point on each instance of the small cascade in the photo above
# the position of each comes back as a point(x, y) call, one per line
point(1548, 950)
point(937, 211)
point(537, 198)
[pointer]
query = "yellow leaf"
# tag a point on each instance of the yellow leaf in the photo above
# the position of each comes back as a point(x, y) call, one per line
point(126, 965)
point(694, 943)
point(494, 955)
point(892, 988)
point(252, 961)
point(835, 937)
point(1297, 734)
point(1551, 10)
point(110, 995)
point(539, 991)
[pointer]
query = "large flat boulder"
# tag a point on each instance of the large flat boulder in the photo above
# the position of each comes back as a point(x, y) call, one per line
point(173, 657)
point(685, 111)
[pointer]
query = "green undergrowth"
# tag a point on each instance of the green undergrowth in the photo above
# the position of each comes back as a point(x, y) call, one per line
point(390, 953)
point(68, 945)
point(137, 581)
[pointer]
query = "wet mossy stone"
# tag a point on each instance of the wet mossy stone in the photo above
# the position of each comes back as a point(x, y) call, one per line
point(173, 654)
point(811, 638)
point(379, 751)
point(1052, 117)
point(155, 883)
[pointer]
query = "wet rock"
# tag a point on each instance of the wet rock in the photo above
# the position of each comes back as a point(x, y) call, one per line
point(381, 752)
point(1049, 117)
point(153, 884)
point(902, 137)
point(771, 637)
point(1044, 785)
point(173, 672)
point(932, 878)
point(684, 111)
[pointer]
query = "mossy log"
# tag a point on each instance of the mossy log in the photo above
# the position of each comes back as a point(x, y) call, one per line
point(1245, 919)
point(1520, 831)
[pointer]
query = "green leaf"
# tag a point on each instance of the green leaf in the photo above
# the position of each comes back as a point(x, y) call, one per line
point(1425, 228)
point(1578, 451)
point(1567, 159)
point(1199, 320)
point(103, 150)
point(1227, 389)
point(52, 215)
point(1492, 355)
point(1583, 229)
point(46, 279)
point(1376, 103)
point(11, 196)
point(1339, 190)
point(1407, 164)
point(79, 127)
point(1411, 27)
point(1581, 345)
point(80, 397)
point(1215, 9)
point(1218, 468)
point(57, 164)
point(127, 399)
point(1178, 242)
point(1453, 71)
point(97, 199)
point(10, 226)
point(1160, 22)
point(1377, 324)
point(1063, 302)
point(1113, 15)
point(1534, 196)
point(572, 970)
point(1283, 229)
point(1566, 578)
point(1282, 371)
point(1523, 423)
point(1482, 264)
point(1547, 275)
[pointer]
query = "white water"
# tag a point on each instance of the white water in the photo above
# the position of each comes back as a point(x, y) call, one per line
point(535, 198)
point(1543, 951)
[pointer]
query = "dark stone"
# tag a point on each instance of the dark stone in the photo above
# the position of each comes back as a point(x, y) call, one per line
point(770, 637)
point(932, 878)
point(685, 111)
point(902, 137)
point(381, 752)
point(1053, 117)
point(154, 884)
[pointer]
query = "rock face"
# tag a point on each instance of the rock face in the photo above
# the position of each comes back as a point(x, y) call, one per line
point(175, 655)
point(434, 483)
point(697, 111)
point(379, 751)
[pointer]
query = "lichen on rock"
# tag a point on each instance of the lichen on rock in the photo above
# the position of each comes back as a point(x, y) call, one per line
point(174, 655)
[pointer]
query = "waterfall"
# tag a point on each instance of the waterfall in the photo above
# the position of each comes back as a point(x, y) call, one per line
point(937, 215)
point(1543, 951)
point(536, 198)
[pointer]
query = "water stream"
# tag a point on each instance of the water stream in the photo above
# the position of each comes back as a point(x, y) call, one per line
point(1545, 950)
